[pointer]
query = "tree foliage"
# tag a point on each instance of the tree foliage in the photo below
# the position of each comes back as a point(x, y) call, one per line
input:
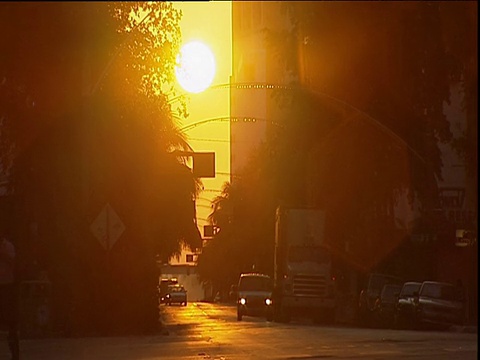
point(86, 121)
point(244, 214)
point(461, 43)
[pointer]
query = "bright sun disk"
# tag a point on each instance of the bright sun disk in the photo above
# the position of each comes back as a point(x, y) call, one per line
point(195, 67)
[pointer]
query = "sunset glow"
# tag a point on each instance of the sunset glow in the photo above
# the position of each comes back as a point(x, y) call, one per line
point(195, 67)
point(205, 128)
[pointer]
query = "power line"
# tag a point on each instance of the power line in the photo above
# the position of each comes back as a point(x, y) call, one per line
point(211, 140)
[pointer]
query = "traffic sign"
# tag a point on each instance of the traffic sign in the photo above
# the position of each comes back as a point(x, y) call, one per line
point(107, 227)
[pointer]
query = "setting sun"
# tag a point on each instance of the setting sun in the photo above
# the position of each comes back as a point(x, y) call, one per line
point(210, 102)
point(195, 67)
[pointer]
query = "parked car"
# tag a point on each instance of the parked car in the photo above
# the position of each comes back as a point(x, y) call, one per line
point(369, 295)
point(384, 308)
point(176, 295)
point(405, 307)
point(254, 296)
point(438, 303)
point(163, 288)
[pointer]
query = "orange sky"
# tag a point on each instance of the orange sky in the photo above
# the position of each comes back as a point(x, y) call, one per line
point(210, 23)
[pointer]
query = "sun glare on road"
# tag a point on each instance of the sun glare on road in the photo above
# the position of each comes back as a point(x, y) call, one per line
point(195, 67)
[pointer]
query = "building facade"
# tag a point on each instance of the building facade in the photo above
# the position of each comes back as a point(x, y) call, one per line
point(446, 254)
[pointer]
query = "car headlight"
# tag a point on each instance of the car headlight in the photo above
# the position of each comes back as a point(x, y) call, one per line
point(168, 296)
point(268, 301)
point(243, 301)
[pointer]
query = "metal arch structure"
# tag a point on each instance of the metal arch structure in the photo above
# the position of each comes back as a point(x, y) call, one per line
point(363, 116)
point(221, 119)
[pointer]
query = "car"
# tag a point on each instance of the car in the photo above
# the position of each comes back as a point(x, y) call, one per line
point(438, 304)
point(370, 294)
point(163, 287)
point(405, 307)
point(384, 308)
point(176, 295)
point(254, 296)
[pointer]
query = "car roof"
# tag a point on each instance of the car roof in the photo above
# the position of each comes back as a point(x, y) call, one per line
point(412, 283)
point(392, 285)
point(436, 283)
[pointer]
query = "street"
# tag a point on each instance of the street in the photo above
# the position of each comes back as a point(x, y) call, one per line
point(211, 331)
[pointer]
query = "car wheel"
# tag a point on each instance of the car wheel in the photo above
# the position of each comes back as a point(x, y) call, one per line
point(185, 303)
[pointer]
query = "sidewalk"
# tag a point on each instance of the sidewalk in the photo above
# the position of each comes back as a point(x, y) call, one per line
point(91, 348)
point(467, 329)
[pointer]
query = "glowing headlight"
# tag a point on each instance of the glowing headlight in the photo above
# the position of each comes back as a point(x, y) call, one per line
point(243, 301)
point(268, 301)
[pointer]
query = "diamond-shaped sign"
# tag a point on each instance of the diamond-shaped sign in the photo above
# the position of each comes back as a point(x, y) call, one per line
point(107, 227)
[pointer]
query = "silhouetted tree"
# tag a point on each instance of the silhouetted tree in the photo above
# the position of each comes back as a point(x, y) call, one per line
point(86, 120)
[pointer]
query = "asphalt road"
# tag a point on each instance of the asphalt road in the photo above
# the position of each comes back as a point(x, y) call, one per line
point(211, 331)
point(254, 338)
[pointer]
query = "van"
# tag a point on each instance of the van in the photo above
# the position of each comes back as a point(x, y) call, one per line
point(254, 296)
point(370, 294)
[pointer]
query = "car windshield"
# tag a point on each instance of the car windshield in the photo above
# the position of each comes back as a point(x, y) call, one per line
point(438, 291)
point(409, 289)
point(255, 283)
point(390, 291)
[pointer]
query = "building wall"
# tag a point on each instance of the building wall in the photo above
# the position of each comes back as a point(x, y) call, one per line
point(256, 72)
point(459, 208)
point(187, 277)
point(253, 62)
point(458, 211)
